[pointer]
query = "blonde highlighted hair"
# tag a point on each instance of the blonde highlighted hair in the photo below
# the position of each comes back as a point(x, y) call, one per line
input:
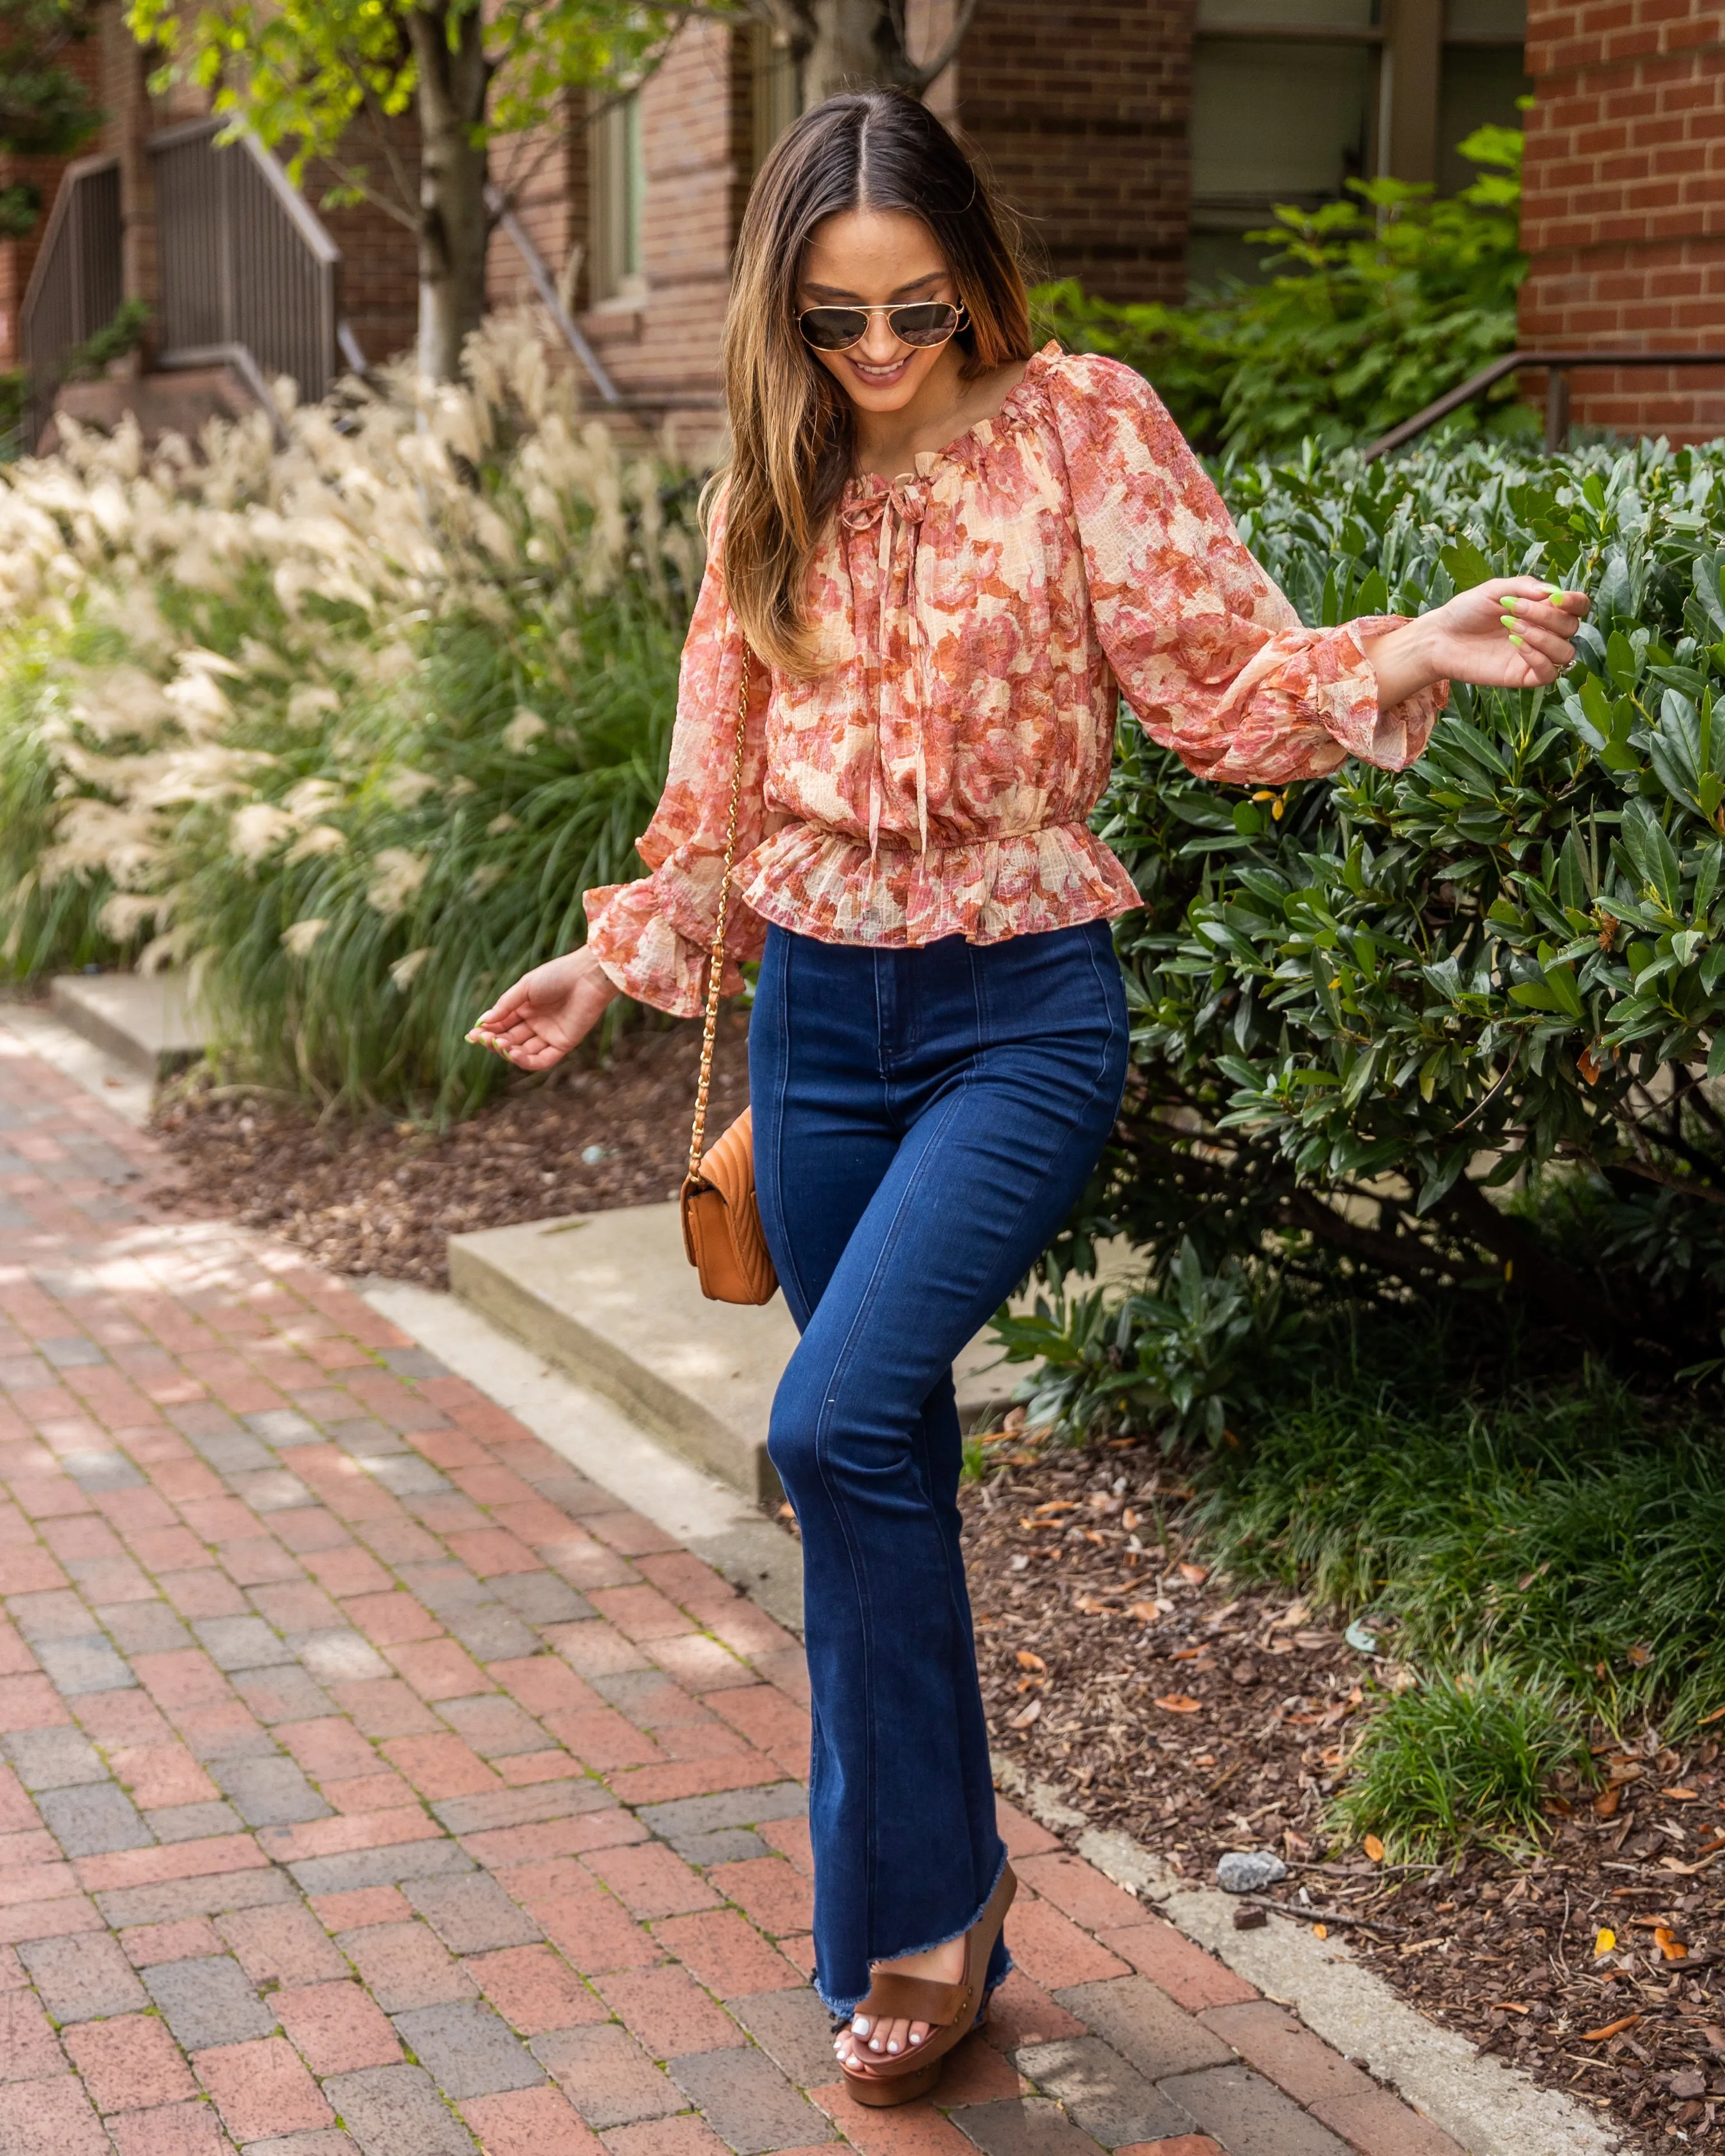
point(792, 445)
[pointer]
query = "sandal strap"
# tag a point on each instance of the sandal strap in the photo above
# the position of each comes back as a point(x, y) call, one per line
point(894, 1998)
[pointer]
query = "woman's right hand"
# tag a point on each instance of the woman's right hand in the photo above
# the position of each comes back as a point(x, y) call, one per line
point(538, 1021)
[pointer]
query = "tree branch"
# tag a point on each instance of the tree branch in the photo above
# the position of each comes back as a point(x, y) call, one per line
point(923, 75)
point(1565, 1293)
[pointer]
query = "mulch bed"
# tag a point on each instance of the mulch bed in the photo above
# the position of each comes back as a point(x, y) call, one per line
point(379, 1197)
point(1200, 1717)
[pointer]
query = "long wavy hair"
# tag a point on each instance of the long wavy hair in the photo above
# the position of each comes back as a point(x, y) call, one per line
point(792, 431)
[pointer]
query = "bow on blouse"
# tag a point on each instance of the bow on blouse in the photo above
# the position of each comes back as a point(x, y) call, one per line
point(899, 506)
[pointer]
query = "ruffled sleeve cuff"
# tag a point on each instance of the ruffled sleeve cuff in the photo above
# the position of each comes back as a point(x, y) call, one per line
point(1308, 699)
point(640, 953)
point(653, 938)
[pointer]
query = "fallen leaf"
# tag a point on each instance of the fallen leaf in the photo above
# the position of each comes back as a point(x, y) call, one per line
point(1319, 1931)
point(1607, 1801)
point(1641, 1656)
point(1669, 1945)
point(1179, 1702)
point(1713, 1842)
point(1194, 1574)
point(1147, 1613)
point(1027, 1660)
point(1054, 1506)
point(1611, 2029)
point(1025, 1716)
point(1604, 1939)
point(1509, 2006)
point(1718, 1714)
point(1682, 1796)
point(1129, 1519)
point(1374, 1849)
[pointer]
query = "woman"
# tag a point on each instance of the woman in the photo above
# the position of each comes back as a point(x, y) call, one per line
point(940, 551)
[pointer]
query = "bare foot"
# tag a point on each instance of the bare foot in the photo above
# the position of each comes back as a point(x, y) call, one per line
point(867, 2043)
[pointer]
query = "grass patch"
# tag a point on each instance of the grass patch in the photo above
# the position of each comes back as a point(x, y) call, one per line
point(1465, 1757)
point(1567, 1530)
point(1540, 1551)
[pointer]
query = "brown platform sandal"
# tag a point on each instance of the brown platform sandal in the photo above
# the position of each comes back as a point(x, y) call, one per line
point(952, 2011)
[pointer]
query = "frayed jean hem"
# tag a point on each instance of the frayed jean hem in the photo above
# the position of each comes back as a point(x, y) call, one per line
point(843, 2013)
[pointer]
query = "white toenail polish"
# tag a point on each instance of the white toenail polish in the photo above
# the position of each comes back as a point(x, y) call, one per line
point(915, 2038)
point(892, 2048)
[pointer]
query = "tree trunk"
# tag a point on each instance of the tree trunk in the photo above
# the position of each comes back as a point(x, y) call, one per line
point(852, 45)
point(454, 224)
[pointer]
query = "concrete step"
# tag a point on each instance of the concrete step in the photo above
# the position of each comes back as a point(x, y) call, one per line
point(146, 1019)
point(611, 1298)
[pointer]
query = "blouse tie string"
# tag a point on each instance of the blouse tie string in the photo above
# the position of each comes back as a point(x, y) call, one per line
point(900, 505)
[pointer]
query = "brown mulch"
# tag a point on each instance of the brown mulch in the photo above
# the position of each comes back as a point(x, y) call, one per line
point(379, 1197)
point(1200, 1716)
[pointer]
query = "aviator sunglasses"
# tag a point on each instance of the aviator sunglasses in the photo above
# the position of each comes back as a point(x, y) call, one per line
point(923, 323)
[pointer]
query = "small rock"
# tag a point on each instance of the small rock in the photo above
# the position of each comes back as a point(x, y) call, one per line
point(1249, 1919)
point(1249, 1871)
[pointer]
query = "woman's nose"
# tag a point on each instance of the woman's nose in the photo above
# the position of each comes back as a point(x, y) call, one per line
point(879, 347)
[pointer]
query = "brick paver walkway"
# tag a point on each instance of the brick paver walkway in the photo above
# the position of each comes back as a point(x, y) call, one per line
point(370, 1778)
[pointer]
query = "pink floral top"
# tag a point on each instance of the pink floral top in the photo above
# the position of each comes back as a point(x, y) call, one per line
point(973, 621)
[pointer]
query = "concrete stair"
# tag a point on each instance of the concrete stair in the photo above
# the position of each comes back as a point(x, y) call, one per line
point(144, 1019)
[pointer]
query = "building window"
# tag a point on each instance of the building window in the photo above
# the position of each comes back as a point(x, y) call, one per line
point(776, 88)
point(1292, 99)
point(617, 192)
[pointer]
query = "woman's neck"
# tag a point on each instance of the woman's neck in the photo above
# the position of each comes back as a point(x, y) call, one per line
point(945, 407)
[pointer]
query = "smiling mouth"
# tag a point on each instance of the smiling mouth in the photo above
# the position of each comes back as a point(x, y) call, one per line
point(879, 378)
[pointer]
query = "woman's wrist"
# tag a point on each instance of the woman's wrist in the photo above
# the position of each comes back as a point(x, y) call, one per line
point(1404, 661)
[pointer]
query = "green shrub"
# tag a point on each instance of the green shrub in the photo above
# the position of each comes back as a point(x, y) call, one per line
point(344, 729)
point(1379, 304)
point(1365, 1006)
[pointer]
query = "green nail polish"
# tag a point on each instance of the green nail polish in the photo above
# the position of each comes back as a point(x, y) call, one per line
point(1517, 640)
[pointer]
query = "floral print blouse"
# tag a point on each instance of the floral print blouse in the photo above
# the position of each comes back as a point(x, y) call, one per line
point(973, 622)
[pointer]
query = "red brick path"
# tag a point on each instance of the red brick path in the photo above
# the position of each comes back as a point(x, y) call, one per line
point(371, 1785)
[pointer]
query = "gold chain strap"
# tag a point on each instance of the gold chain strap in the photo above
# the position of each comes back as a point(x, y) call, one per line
point(698, 1135)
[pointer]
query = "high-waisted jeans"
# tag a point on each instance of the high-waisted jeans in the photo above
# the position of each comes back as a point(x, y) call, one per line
point(923, 1121)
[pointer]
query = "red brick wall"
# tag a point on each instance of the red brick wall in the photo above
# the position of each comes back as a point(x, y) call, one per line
point(1080, 114)
point(18, 257)
point(379, 286)
point(1624, 215)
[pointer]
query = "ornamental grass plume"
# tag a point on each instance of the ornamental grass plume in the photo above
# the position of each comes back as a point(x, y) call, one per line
point(342, 728)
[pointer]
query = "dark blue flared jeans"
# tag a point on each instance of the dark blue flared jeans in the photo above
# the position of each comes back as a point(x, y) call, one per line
point(923, 1121)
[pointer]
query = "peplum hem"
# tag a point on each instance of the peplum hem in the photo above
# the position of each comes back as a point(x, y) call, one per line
point(823, 884)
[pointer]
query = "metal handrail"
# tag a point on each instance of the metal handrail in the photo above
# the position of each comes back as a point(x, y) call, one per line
point(538, 271)
point(78, 282)
point(1557, 365)
point(244, 260)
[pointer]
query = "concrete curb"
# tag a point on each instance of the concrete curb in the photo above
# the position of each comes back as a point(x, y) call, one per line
point(1486, 2106)
point(143, 1020)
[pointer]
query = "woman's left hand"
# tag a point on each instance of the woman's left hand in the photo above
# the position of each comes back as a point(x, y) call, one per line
point(1508, 633)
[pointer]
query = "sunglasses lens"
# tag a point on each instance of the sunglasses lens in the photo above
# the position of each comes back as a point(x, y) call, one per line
point(832, 329)
point(931, 322)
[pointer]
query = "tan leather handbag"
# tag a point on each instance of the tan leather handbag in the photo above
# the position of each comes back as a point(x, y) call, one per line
point(721, 1220)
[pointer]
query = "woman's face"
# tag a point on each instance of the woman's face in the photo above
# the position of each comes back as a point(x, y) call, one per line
point(866, 258)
